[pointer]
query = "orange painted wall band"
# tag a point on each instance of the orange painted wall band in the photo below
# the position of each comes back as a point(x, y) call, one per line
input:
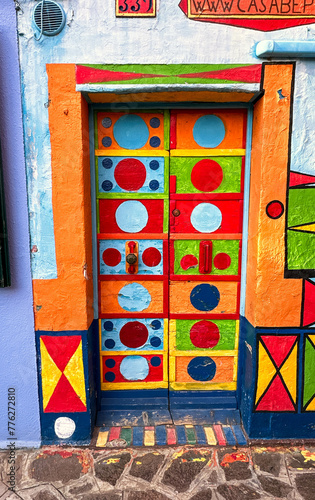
point(66, 303)
point(271, 300)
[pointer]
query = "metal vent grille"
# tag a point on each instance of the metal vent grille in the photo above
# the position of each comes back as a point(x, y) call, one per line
point(49, 17)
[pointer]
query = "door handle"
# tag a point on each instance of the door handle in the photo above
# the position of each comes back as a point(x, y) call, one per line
point(205, 257)
point(132, 251)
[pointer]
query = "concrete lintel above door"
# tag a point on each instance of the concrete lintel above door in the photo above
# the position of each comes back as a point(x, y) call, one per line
point(169, 83)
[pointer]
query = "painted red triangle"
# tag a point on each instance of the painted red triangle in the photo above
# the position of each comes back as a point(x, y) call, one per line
point(296, 179)
point(260, 24)
point(247, 74)
point(86, 74)
point(64, 398)
point(309, 303)
point(276, 398)
point(278, 346)
point(61, 349)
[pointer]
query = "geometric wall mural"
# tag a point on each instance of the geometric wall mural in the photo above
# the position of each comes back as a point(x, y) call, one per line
point(63, 383)
point(277, 365)
point(309, 373)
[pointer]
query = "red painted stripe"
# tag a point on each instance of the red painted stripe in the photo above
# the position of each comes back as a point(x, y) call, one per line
point(86, 74)
point(260, 24)
point(173, 131)
point(132, 236)
point(208, 277)
point(207, 315)
point(173, 184)
point(114, 433)
point(131, 315)
point(165, 258)
point(149, 428)
point(165, 298)
point(219, 434)
point(203, 236)
point(171, 436)
point(131, 277)
point(172, 258)
point(210, 196)
point(247, 74)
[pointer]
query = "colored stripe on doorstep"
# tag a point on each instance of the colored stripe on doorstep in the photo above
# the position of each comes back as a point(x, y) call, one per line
point(181, 435)
point(210, 436)
point(126, 434)
point(102, 438)
point(239, 434)
point(138, 436)
point(229, 436)
point(219, 434)
point(149, 437)
point(160, 435)
point(190, 434)
point(114, 433)
point(171, 436)
point(201, 436)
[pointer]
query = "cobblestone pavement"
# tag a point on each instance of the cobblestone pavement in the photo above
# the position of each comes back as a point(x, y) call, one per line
point(185, 473)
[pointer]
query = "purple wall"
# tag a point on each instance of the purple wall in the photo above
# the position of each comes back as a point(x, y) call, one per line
point(17, 338)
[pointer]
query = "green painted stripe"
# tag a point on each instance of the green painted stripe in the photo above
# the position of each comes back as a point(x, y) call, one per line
point(126, 434)
point(190, 435)
point(167, 130)
point(165, 69)
point(165, 220)
point(166, 81)
point(166, 176)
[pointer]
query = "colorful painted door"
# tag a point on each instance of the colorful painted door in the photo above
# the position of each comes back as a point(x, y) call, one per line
point(206, 215)
point(196, 286)
point(132, 163)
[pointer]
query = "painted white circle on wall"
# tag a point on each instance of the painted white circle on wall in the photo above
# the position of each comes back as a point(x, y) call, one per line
point(64, 427)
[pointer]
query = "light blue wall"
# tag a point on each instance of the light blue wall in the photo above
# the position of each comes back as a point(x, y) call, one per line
point(17, 338)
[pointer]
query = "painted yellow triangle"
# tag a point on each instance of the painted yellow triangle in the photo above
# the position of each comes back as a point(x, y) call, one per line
point(307, 227)
point(312, 337)
point(75, 373)
point(289, 372)
point(266, 371)
point(311, 406)
point(50, 374)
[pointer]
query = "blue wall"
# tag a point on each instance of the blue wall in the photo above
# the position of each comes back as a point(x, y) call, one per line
point(17, 337)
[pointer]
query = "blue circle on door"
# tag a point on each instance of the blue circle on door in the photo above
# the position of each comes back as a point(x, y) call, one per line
point(206, 218)
point(134, 368)
point(131, 132)
point(202, 368)
point(134, 297)
point(131, 216)
point(205, 297)
point(209, 131)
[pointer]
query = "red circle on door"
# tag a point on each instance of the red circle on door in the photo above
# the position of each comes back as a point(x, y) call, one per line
point(204, 334)
point(206, 175)
point(134, 334)
point(222, 261)
point(130, 174)
point(151, 257)
point(188, 262)
point(111, 257)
